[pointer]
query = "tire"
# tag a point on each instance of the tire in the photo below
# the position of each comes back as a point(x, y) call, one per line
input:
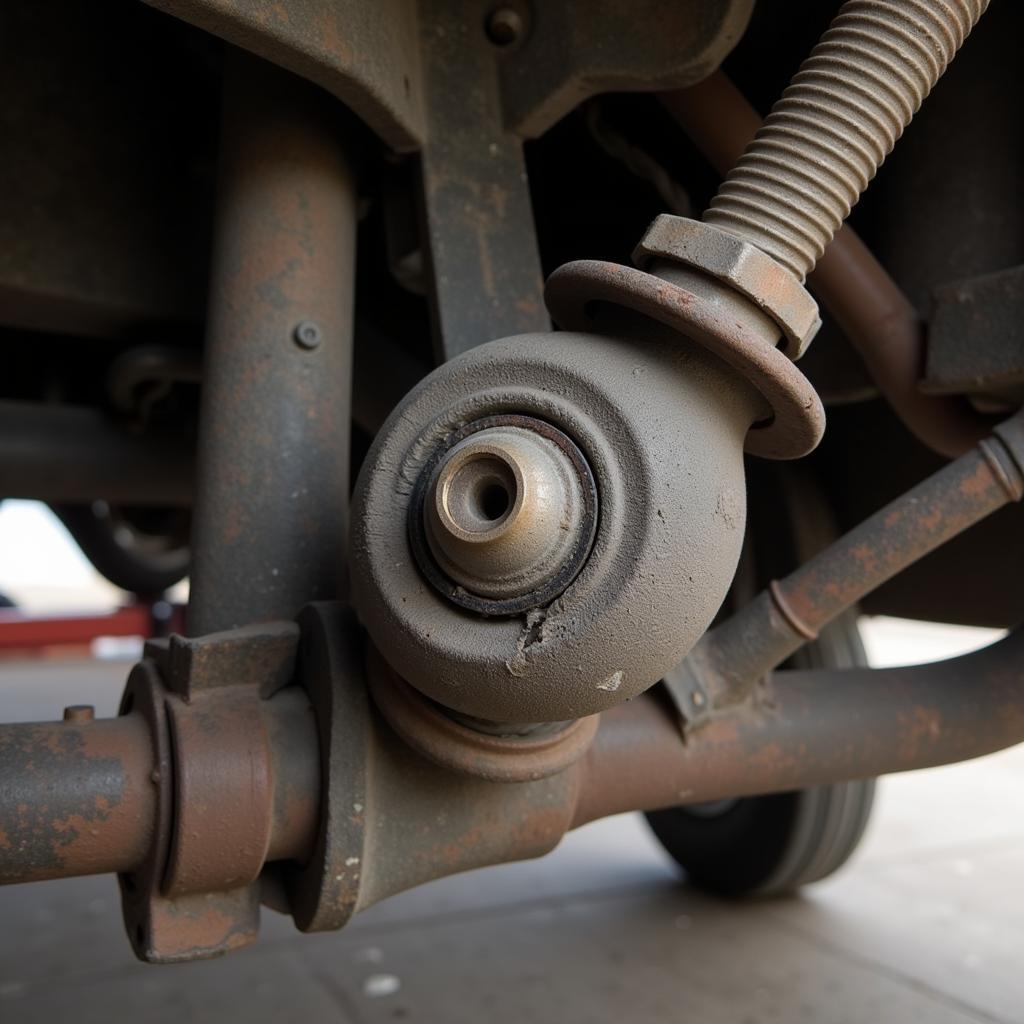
point(142, 551)
point(766, 846)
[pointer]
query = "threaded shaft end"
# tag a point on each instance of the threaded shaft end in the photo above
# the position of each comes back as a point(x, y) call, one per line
point(837, 121)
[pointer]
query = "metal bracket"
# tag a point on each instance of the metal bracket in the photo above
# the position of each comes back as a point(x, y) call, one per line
point(198, 894)
point(434, 76)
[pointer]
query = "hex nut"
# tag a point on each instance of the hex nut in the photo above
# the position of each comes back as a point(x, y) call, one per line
point(741, 266)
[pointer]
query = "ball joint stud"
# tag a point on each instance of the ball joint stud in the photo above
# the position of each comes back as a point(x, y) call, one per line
point(504, 512)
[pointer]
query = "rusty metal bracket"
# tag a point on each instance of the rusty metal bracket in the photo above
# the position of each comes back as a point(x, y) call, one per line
point(197, 894)
point(550, 58)
point(323, 892)
point(464, 82)
point(976, 336)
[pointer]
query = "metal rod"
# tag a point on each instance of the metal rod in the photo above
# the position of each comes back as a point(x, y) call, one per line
point(840, 117)
point(811, 728)
point(80, 797)
point(869, 307)
point(67, 453)
point(272, 499)
point(75, 798)
point(732, 657)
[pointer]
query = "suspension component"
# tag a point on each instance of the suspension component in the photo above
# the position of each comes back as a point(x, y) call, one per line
point(873, 311)
point(782, 203)
point(618, 521)
point(602, 626)
point(840, 117)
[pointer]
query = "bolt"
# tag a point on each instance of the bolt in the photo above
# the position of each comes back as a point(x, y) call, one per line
point(504, 26)
point(79, 713)
point(825, 138)
point(307, 334)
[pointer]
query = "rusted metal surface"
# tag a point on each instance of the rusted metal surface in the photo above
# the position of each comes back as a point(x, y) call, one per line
point(561, 56)
point(366, 54)
point(67, 453)
point(505, 754)
point(19, 631)
point(423, 821)
point(236, 782)
point(222, 794)
point(482, 256)
point(870, 308)
point(730, 659)
point(434, 77)
point(485, 93)
point(272, 494)
point(796, 420)
point(976, 340)
point(741, 266)
point(263, 655)
point(75, 798)
point(808, 728)
point(323, 892)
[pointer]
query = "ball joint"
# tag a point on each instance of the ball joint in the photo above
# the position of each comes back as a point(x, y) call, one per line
point(548, 523)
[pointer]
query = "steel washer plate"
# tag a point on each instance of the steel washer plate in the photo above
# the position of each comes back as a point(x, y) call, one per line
point(798, 417)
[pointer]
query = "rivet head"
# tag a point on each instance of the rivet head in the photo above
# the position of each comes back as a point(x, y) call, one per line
point(307, 334)
point(79, 713)
point(504, 26)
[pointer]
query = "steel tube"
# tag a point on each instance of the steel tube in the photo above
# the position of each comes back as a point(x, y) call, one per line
point(67, 453)
point(274, 430)
point(295, 774)
point(75, 798)
point(812, 728)
point(734, 655)
point(80, 798)
point(867, 304)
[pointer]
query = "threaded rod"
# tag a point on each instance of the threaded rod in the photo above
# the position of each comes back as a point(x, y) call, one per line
point(836, 122)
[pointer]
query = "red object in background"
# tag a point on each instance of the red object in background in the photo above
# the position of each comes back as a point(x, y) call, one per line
point(19, 631)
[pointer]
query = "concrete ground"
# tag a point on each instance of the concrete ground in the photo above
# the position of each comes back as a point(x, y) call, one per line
point(926, 924)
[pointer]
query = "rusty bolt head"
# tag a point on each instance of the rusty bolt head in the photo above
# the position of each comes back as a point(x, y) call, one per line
point(79, 713)
point(504, 26)
point(740, 266)
point(307, 334)
point(504, 512)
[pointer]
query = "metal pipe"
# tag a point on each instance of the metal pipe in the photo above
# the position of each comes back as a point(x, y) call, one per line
point(80, 797)
point(75, 798)
point(869, 307)
point(68, 453)
point(733, 656)
point(811, 728)
point(295, 774)
point(836, 122)
point(272, 498)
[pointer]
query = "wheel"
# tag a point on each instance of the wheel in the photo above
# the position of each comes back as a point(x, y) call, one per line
point(144, 551)
point(771, 845)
